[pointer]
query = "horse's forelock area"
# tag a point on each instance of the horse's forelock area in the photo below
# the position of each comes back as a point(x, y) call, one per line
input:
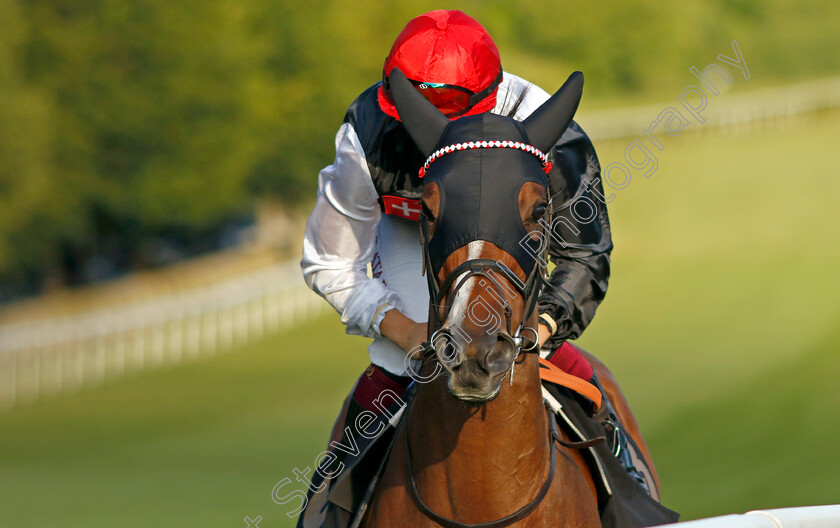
point(480, 187)
point(482, 165)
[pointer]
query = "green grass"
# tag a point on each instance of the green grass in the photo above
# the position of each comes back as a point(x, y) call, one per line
point(722, 324)
point(767, 443)
point(197, 445)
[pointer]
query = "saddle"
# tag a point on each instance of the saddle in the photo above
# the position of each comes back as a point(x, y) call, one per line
point(624, 500)
point(581, 412)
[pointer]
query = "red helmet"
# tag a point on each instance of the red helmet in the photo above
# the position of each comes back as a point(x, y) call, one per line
point(451, 60)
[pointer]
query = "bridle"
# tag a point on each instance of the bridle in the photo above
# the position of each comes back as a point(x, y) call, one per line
point(530, 290)
point(491, 270)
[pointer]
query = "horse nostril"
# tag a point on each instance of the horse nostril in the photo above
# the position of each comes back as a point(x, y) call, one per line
point(447, 350)
point(499, 358)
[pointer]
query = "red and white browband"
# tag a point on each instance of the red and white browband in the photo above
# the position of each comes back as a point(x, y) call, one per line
point(488, 144)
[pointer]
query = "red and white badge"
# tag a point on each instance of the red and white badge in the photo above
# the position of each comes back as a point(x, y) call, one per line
point(402, 207)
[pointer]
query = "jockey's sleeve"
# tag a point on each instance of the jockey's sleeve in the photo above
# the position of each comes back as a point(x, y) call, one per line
point(340, 238)
point(580, 241)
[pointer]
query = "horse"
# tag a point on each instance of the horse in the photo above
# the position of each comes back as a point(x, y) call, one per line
point(477, 448)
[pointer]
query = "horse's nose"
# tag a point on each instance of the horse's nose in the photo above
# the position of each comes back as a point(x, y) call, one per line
point(499, 358)
point(470, 374)
point(448, 352)
point(477, 374)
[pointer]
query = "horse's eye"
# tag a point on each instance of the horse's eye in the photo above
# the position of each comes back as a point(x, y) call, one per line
point(539, 212)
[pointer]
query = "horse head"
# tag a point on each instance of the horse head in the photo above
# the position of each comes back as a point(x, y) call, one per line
point(485, 201)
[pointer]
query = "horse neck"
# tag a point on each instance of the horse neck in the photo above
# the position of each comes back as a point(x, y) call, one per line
point(501, 443)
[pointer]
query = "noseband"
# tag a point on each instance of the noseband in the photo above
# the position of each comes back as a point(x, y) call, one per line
point(489, 269)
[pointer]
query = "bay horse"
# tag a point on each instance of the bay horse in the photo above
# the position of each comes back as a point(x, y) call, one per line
point(475, 447)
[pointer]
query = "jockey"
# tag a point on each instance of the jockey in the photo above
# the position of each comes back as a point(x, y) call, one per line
point(368, 207)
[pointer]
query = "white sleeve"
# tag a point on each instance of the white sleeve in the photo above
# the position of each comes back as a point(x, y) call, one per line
point(511, 89)
point(340, 239)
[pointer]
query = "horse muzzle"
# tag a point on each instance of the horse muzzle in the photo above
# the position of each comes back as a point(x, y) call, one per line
point(476, 369)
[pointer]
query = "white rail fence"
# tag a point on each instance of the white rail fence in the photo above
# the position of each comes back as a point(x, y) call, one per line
point(754, 108)
point(49, 356)
point(805, 517)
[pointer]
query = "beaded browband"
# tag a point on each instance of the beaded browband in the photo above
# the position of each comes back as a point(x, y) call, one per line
point(488, 144)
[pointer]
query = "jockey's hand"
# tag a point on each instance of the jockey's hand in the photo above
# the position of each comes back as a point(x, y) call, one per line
point(406, 333)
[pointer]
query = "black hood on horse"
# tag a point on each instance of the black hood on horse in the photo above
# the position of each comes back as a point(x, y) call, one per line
point(479, 185)
point(479, 190)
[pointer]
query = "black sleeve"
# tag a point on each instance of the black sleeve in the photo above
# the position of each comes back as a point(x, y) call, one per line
point(580, 241)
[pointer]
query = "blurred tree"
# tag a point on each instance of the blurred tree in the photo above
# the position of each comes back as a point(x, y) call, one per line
point(137, 120)
point(37, 210)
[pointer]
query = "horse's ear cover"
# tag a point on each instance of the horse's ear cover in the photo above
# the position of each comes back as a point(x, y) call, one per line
point(480, 185)
point(421, 118)
point(548, 122)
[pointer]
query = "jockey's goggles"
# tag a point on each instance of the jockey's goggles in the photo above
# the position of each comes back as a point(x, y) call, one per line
point(452, 100)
